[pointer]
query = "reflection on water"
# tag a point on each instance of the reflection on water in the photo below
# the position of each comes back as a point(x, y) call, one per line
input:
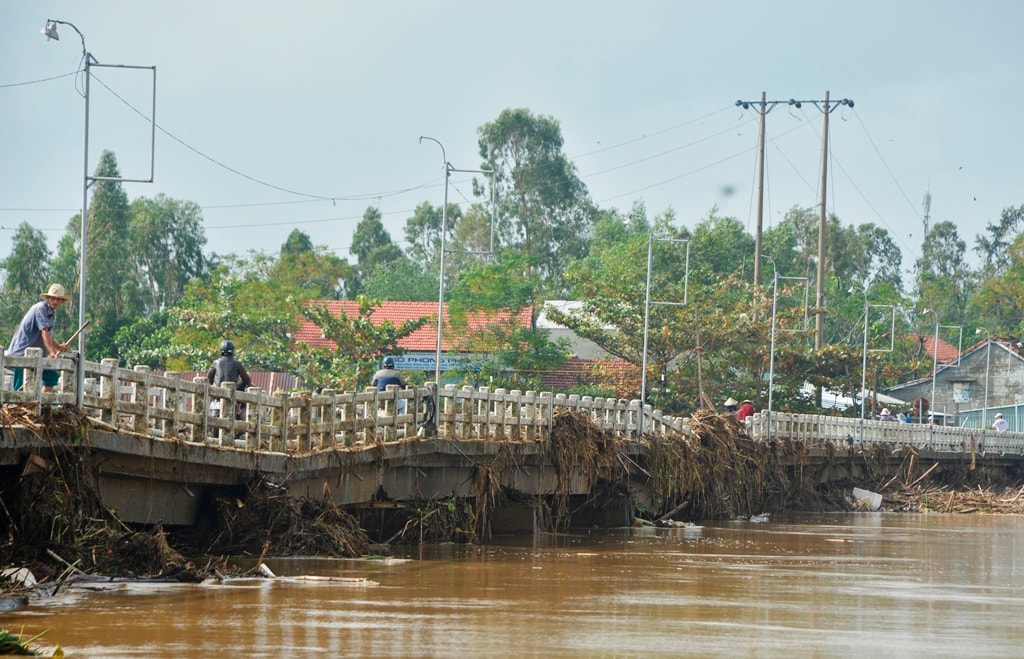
point(824, 585)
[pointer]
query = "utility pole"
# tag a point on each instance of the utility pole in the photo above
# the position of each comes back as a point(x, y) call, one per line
point(819, 301)
point(819, 304)
point(764, 107)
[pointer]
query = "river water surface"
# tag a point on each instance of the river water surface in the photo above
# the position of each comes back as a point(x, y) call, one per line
point(847, 585)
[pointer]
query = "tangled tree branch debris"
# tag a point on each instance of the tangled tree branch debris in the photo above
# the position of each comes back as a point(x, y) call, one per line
point(51, 508)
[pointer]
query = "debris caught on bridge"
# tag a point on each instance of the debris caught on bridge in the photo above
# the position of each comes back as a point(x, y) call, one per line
point(270, 521)
point(721, 471)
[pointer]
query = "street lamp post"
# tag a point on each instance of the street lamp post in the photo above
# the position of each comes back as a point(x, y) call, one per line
point(774, 331)
point(647, 307)
point(50, 32)
point(864, 358)
point(448, 169)
point(440, 276)
point(935, 371)
point(864, 369)
point(988, 362)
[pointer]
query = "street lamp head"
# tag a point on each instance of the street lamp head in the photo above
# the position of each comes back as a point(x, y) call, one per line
point(50, 30)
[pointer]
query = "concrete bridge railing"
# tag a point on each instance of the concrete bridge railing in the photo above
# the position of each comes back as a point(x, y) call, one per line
point(842, 431)
point(165, 405)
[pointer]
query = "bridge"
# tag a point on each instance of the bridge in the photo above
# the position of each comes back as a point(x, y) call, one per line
point(162, 446)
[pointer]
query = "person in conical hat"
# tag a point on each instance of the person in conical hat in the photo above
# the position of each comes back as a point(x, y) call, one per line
point(731, 404)
point(36, 331)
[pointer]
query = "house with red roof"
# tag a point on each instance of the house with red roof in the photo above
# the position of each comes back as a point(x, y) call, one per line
point(941, 352)
point(970, 387)
point(420, 347)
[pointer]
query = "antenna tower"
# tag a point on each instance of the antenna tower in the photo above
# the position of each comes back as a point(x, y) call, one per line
point(927, 205)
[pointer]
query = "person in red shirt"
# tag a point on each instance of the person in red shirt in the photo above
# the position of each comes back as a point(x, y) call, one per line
point(746, 409)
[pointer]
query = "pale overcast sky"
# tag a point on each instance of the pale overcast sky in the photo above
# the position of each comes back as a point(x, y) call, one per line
point(329, 99)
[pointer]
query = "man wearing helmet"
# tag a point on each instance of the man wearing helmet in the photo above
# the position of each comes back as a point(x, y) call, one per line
point(229, 369)
point(388, 375)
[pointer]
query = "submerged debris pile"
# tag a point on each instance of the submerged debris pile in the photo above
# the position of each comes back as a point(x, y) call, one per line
point(720, 471)
point(269, 521)
point(580, 449)
point(53, 519)
point(929, 498)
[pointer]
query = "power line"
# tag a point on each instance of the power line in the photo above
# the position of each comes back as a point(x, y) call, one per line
point(36, 82)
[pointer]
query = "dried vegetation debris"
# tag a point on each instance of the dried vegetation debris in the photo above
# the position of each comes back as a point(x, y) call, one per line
point(720, 471)
point(50, 507)
point(269, 521)
point(53, 519)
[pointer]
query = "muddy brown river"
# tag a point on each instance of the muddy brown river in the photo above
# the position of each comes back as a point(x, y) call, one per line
point(846, 585)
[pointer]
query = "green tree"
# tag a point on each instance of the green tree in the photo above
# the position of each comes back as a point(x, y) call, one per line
point(298, 242)
point(998, 303)
point(167, 241)
point(423, 233)
point(994, 247)
point(64, 266)
point(148, 341)
point(372, 246)
point(401, 279)
point(240, 302)
point(359, 344)
point(944, 280)
point(486, 309)
point(113, 296)
point(542, 206)
point(315, 271)
point(26, 275)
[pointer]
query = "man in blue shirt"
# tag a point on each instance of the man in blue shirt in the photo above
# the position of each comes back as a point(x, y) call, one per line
point(36, 331)
point(389, 375)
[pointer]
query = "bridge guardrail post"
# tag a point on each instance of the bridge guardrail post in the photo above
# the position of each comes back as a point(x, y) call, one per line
point(347, 409)
point(174, 402)
point(303, 406)
point(200, 405)
point(481, 402)
point(140, 396)
point(253, 419)
point(499, 412)
point(109, 390)
point(546, 408)
point(529, 416)
point(330, 437)
point(514, 416)
point(387, 413)
point(279, 421)
point(32, 376)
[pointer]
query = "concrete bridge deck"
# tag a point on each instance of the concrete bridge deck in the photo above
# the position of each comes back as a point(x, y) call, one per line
point(163, 446)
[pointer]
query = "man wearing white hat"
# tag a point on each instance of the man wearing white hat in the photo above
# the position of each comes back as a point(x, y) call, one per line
point(36, 331)
point(1000, 424)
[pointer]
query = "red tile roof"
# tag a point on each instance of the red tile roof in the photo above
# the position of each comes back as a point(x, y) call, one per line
point(266, 380)
point(944, 354)
point(398, 312)
point(616, 374)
